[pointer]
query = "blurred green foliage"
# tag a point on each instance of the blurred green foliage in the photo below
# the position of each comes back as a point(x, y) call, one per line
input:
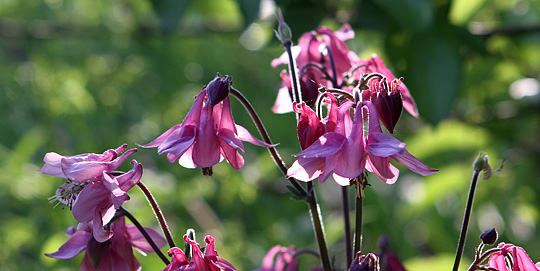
point(86, 76)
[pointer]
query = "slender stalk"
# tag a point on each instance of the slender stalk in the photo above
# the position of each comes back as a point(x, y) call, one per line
point(145, 234)
point(295, 83)
point(318, 226)
point(346, 222)
point(266, 138)
point(333, 67)
point(358, 221)
point(309, 195)
point(466, 218)
point(157, 213)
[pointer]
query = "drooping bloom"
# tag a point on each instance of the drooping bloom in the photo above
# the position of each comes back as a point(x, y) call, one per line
point(339, 153)
point(84, 167)
point(318, 50)
point(99, 200)
point(113, 254)
point(283, 259)
point(207, 135)
point(380, 147)
point(376, 65)
point(512, 258)
point(209, 261)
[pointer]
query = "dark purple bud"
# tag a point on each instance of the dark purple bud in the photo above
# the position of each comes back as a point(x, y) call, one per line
point(218, 89)
point(96, 250)
point(388, 102)
point(369, 262)
point(489, 237)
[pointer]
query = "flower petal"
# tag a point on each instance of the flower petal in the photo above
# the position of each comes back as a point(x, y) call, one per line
point(73, 247)
point(306, 169)
point(384, 145)
point(413, 163)
point(325, 146)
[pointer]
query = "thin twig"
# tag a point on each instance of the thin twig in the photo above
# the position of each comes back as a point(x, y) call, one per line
point(145, 234)
point(157, 213)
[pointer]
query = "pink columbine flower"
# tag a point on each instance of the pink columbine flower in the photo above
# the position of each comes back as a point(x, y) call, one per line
point(380, 147)
point(207, 135)
point(84, 167)
point(310, 127)
point(315, 47)
point(283, 259)
point(209, 261)
point(518, 259)
point(375, 64)
point(113, 254)
point(99, 200)
point(339, 153)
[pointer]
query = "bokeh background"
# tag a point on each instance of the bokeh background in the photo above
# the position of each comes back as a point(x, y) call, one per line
point(89, 75)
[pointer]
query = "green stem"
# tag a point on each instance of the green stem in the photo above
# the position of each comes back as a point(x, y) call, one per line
point(346, 222)
point(157, 213)
point(318, 226)
point(266, 138)
point(466, 218)
point(358, 221)
point(145, 234)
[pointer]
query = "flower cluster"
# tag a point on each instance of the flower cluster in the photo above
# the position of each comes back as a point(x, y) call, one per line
point(95, 192)
point(337, 144)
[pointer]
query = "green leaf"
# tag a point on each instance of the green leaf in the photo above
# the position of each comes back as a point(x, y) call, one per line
point(250, 10)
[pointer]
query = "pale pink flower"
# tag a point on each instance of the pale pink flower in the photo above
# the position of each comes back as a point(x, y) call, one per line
point(99, 200)
point(518, 259)
point(207, 135)
point(111, 255)
point(84, 167)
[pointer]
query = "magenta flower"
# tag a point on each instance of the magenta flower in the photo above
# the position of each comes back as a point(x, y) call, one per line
point(114, 254)
point(280, 259)
point(310, 127)
point(512, 258)
point(99, 200)
point(315, 48)
point(380, 147)
point(340, 153)
point(375, 64)
point(284, 259)
point(207, 135)
point(84, 167)
point(209, 261)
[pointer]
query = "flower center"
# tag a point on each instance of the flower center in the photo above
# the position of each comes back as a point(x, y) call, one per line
point(67, 193)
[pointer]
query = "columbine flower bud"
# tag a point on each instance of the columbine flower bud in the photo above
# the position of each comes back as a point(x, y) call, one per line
point(283, 33)
point(489, 237)
point(218, 89)
point(388, 102)
point(369, 262)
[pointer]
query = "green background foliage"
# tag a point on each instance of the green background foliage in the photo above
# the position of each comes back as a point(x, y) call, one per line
point(86, 76)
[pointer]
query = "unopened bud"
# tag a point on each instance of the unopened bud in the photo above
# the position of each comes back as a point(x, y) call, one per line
point(369, 262)
point(218, 89)
point(283, 33)
point(489, 237)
